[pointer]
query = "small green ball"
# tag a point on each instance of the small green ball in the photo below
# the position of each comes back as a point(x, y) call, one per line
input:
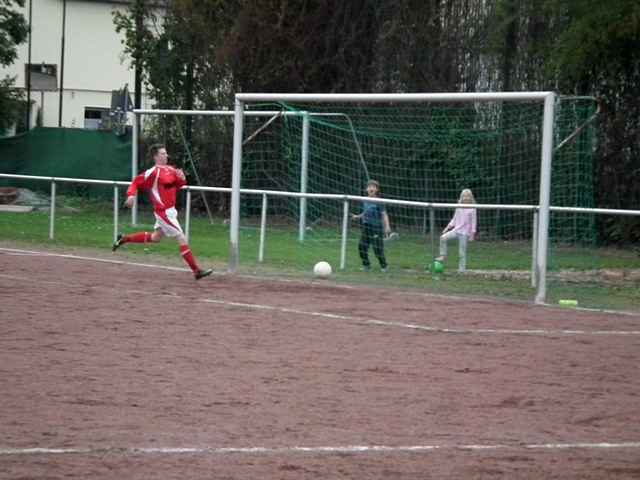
point(437, 267)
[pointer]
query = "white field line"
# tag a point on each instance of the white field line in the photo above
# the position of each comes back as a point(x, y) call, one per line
point(13, 251)
point(349, 318)
point(388, 323)
point(32, 253)
point(451, 297)
point(17, 252)
point(339, 449)
point(391, 323)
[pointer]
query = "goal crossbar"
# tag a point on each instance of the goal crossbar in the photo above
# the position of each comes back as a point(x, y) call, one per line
point(392, 97)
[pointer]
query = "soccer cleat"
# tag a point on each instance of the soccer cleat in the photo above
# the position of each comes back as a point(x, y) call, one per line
point(365, 268)
point(384, 270)
point(117, 243)
point(203, 273)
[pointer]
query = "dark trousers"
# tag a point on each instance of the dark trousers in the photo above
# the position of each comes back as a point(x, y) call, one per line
point(372, 235)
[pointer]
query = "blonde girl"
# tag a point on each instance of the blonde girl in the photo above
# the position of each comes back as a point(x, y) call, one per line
point(462, 226)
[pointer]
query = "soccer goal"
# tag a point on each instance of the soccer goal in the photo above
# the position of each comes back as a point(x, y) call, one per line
point(424, 149)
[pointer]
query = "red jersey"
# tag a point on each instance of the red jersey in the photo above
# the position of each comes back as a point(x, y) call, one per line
point(162, 184)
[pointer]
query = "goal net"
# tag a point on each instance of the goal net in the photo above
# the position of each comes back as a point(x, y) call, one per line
point(419, 151)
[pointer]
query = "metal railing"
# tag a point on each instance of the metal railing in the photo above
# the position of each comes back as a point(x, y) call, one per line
point(345, 199)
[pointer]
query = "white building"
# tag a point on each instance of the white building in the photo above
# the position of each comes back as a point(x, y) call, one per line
point(94, 61)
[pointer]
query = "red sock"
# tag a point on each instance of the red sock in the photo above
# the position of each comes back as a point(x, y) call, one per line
point(187, 256)
point(140, 237)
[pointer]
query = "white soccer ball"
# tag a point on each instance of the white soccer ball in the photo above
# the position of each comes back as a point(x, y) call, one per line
point(322, 270)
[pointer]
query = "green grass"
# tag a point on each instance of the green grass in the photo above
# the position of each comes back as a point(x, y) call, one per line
point(90, 225)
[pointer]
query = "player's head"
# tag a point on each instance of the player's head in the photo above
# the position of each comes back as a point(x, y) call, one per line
point(159, 154)
point(373, 188)
point(466, 196)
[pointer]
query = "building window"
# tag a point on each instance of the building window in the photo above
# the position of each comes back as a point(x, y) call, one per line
point(44, 76)
point(96, 118)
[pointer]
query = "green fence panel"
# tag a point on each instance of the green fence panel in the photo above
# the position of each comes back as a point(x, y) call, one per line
point(67, 152)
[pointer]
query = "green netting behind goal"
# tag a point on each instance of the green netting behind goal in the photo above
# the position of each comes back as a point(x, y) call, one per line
point(572, 173)
point(425, 152)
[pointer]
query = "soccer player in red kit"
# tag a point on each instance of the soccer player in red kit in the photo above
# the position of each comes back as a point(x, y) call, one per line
point(162, 183)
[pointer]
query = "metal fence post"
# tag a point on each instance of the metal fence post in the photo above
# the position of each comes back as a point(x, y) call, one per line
point(52, 215)
point(187, 215)
point(115, 213)
point(534, 247)
point(134, 164)
point(345, 229)
point(432, 231)
point(263, 227)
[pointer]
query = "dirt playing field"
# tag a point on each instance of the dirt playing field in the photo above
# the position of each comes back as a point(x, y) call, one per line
point(118, 370)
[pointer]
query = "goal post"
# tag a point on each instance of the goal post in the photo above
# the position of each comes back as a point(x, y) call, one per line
point(546, 100)
point(545, 196)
